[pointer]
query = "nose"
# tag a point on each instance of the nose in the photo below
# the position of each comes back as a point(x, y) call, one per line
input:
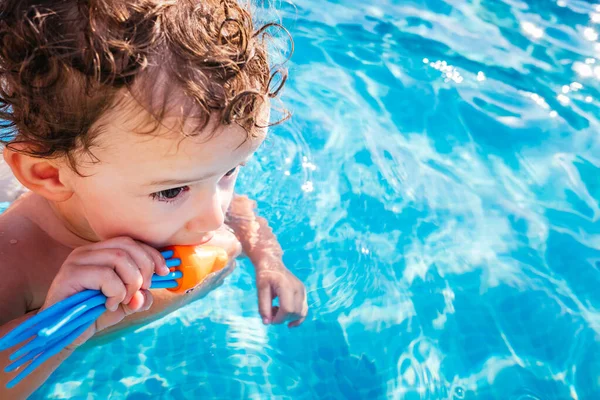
point(209, 215)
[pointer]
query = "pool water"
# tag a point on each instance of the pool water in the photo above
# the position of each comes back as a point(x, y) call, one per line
point(437, 190)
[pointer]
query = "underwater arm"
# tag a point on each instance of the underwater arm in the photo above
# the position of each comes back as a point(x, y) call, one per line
point(273, 279)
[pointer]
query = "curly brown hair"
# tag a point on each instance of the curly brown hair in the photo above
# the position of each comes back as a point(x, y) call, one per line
point(63, 63)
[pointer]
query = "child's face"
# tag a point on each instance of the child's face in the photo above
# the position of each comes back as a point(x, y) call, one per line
point(160, 188)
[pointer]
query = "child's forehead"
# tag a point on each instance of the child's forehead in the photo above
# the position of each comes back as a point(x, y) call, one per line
point(130, 135)
point(173, 139)
point(154, 98)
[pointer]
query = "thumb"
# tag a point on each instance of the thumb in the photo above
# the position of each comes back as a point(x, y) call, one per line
point(265, 300)
point(136, 302)
point(148, 300)
point(141, 301)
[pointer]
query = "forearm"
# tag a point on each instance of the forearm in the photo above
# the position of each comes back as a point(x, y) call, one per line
point(254, 233)
point(273, 279)
point(164, 302)
point(34, 380)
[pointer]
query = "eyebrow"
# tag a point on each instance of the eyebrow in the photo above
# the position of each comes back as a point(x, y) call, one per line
point(179, 182)
point(174, 182)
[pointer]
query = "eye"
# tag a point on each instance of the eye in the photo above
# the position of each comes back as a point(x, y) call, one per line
point(169, 195)
point(231, 171)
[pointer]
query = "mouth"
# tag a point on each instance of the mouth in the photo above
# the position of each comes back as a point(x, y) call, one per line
point(192, 241)
point(205, 239)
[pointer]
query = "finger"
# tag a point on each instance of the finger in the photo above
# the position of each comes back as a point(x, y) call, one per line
point(160, 266)
point(141, 257)
point(101, 278)
point(279, 316)
point(112, 318)
point(302, 304)
point(265, 301)
point(141, 301)
point(296, 323)
point(274, 310)
point(121, 262)
point(285, 308)
point(136, 302)
point(148, 300)
point(143, 261)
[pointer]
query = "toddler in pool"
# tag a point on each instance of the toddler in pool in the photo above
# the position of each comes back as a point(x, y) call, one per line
point(128, 122)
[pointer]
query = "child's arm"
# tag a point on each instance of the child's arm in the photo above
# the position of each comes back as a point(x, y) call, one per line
point(120, 268)
point(273, 279)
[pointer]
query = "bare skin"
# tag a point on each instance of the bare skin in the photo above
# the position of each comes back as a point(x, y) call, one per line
point(102, 230)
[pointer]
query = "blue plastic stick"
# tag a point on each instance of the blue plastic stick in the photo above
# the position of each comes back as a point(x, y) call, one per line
point(73, 313)
point(71, 316)
point(21, 330)
point(29, 356)
point(163, 285)
point(31, 351)
point(55, 349)
point(165, 282)
point(167, 254)
point(169, 277)
point(42, 342)
point(31, 332)
point(90, 316)
point(173, 262)
point(35, 344)
point(53, 326)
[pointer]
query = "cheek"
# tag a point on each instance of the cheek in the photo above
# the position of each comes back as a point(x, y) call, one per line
point(226, 201)
point(111, 218)
point(227, 196)
point(110, 215)
point(135, 225)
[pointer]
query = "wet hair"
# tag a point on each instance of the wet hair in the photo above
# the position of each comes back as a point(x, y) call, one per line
point(65, 63)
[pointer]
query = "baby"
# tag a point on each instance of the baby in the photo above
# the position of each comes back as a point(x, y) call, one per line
point(128, 122)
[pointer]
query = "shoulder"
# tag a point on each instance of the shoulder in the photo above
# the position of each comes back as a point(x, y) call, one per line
point(14, 291)
point(25, 266)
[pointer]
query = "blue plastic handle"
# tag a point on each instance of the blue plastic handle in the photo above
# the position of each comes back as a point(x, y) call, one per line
point(59, 325)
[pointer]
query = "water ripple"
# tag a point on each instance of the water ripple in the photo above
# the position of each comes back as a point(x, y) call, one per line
point(437, 190)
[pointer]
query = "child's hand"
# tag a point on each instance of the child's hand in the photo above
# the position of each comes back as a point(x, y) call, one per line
point(272, 278)
point(279, 282)
point(120, 268)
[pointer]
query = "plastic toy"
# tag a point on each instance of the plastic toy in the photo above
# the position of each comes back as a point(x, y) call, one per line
point(59, 325)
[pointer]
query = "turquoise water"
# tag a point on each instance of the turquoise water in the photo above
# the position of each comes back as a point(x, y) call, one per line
point(437, 191)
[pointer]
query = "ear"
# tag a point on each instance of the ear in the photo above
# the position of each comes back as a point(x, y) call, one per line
point(40, 175)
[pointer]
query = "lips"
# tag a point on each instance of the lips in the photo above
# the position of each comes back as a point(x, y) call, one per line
point(191, 240)
point(205, 239)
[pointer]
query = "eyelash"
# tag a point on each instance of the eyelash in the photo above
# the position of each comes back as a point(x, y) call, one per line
point(163, 195)
point(231, 172)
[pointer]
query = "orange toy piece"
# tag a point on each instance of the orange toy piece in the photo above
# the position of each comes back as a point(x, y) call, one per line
point(197, 262)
